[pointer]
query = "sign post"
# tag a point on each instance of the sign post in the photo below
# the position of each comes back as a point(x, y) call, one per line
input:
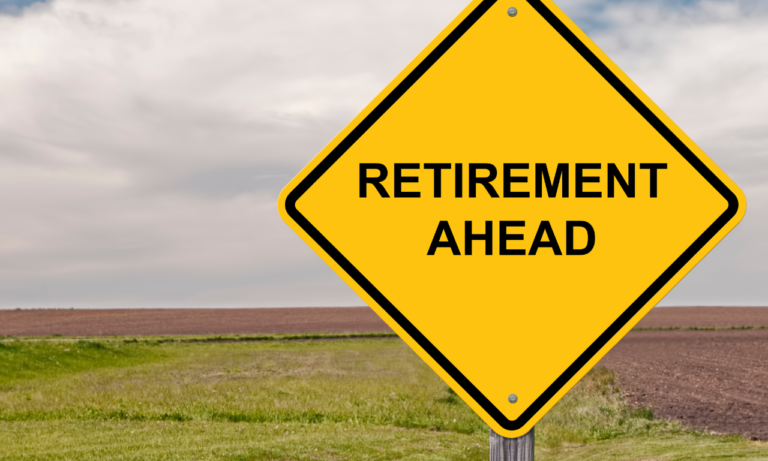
point(512, 172)
point(517, 449)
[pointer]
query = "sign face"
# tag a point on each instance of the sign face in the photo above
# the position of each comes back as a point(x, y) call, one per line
point(511, 205)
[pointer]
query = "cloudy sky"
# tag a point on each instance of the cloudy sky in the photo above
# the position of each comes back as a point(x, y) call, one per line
point(143, 143)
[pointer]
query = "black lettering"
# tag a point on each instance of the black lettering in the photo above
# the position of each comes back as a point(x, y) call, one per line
point(542, 177)
point(459, 179)
point(438, 168)
point(654, 167)
point(365, 180)
point(545, 228)
point(509, 179)
point(400, 179)
point(581, 179)
point(627, 186)
point(486, 181)
point(443, 228)
point(504, 237)
point(569, 227)
point(487, 237)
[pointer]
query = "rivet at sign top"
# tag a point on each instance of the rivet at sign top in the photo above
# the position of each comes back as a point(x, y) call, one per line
point(512, 398)
point(512, 11)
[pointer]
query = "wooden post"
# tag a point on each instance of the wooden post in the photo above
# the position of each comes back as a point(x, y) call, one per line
point(519, 449)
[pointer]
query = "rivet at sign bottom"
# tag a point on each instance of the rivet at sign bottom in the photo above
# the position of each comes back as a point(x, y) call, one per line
point(512, 398)
point(512, 11)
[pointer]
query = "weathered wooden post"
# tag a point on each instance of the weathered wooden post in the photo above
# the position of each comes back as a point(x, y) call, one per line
point(519, 449)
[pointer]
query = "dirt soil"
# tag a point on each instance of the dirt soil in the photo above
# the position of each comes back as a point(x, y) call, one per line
point(705, 317)
point(130, 322)
point(709, 380)
point(127, 322)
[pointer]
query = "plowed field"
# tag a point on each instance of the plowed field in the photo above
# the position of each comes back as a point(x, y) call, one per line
point(713, 380)
point(705, 317)
point(111, 322)
point(129, 322)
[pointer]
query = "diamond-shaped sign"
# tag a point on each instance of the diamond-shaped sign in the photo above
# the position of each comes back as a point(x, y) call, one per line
point(511, 205)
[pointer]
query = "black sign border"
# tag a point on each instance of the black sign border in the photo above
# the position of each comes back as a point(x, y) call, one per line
point(624, 318)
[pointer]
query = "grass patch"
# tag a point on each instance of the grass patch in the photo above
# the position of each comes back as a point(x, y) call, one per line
point(364, 381)
point(291, 399)
point(63, 440)
point(30, 361)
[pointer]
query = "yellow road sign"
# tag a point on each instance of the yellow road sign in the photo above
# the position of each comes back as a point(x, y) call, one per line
point(511, 205)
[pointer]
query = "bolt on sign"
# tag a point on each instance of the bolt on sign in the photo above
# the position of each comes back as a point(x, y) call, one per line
point(512, 205)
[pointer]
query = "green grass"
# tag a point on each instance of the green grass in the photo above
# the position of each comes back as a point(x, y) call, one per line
point(371, 399)
point(31, 360)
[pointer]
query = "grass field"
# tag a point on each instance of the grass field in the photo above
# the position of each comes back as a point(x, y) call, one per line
point(370, 399)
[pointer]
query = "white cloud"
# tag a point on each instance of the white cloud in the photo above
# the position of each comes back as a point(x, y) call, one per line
point(143, 143)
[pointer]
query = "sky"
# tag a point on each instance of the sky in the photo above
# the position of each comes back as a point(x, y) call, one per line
point(143, 144)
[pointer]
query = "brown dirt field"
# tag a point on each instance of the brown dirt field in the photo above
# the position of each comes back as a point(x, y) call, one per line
point(127, 322)
point(705, 317)
point(711, 380)
point(130, 322)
